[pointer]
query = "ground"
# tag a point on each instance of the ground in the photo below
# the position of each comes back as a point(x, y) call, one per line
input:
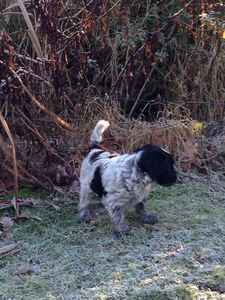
point(181, 257)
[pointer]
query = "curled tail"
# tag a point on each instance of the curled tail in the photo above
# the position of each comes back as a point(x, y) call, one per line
point(97, 133)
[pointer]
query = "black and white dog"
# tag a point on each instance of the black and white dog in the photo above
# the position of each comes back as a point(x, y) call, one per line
point(122, 181)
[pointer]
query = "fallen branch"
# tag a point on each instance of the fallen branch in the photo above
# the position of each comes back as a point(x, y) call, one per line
point(10, 249)
point(28, 202)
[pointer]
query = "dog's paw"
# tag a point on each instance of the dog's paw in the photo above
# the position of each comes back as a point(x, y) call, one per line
point(86, 215)
point(122, 233)
point(149, 218)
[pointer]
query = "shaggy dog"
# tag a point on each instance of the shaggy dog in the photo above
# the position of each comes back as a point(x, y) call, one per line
point(122, 181)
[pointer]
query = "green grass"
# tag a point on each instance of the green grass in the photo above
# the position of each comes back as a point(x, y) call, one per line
point(182, 257)
point(26, 192)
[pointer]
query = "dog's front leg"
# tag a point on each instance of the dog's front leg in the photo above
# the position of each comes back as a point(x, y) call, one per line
point(119, 221)
point(117, 216)
point(144, 215)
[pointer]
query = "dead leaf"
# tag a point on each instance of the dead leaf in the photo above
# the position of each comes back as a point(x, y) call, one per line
point(24, 216)
point(13, 201)
point(29, 270)
point(59, 190)
point(36, 218)
point(61, 175)
point(5, 204)
point(75, 187)
point(33, 201)
point(39, 202)
point(56, 207)
point(10, 249)
point(6, 223)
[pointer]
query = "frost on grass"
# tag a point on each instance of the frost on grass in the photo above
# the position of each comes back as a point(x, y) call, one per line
point(182, 257)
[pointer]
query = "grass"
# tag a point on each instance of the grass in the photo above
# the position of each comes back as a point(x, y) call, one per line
point(182, 257)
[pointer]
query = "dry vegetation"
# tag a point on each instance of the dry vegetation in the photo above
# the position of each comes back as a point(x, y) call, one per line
point(155, 70)
point(63, 65)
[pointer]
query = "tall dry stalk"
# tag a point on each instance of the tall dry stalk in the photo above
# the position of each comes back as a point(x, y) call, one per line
point(15, 171)
point(31, 31)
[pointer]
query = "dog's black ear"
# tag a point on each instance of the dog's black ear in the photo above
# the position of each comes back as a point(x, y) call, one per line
point(158, 164)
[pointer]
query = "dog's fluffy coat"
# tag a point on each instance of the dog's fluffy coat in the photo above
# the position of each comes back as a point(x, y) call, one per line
point(122, 181)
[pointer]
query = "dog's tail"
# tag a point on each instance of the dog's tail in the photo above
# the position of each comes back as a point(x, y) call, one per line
point(97, 133)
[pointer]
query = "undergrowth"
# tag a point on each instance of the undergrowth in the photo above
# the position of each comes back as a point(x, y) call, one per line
point(182, 257)
point(157, 61)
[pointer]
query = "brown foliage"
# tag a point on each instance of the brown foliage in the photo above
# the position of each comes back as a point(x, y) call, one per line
point(106, 59)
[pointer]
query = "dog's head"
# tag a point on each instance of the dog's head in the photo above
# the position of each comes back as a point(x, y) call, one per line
point(158, 164)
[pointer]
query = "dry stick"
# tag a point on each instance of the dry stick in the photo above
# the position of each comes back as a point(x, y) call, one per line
point(31, 31)
point(6, 127)
point(9, 249)
point(111, 8)
point(123, 70)
point(120, 75)
point(42, 107)
point(181, 10)
point(66, 12)
point(139, 95)
point(34, 129)
point(36, 61)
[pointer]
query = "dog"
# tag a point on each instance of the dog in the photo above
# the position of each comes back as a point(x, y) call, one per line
point(122, 181)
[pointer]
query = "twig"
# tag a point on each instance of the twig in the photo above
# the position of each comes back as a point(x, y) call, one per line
point(140, 93)
point(42, 107)
point(31, 31)
point(34, 129)
point(111, 8)
point(174, 16)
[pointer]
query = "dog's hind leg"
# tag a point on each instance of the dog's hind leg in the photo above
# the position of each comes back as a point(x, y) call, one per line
point(86, 195)
point(144, 215)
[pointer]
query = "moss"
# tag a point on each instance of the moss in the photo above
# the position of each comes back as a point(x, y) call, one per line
point(219, 274)
point(187, 292)
point(215, 279)
point(151, 295)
